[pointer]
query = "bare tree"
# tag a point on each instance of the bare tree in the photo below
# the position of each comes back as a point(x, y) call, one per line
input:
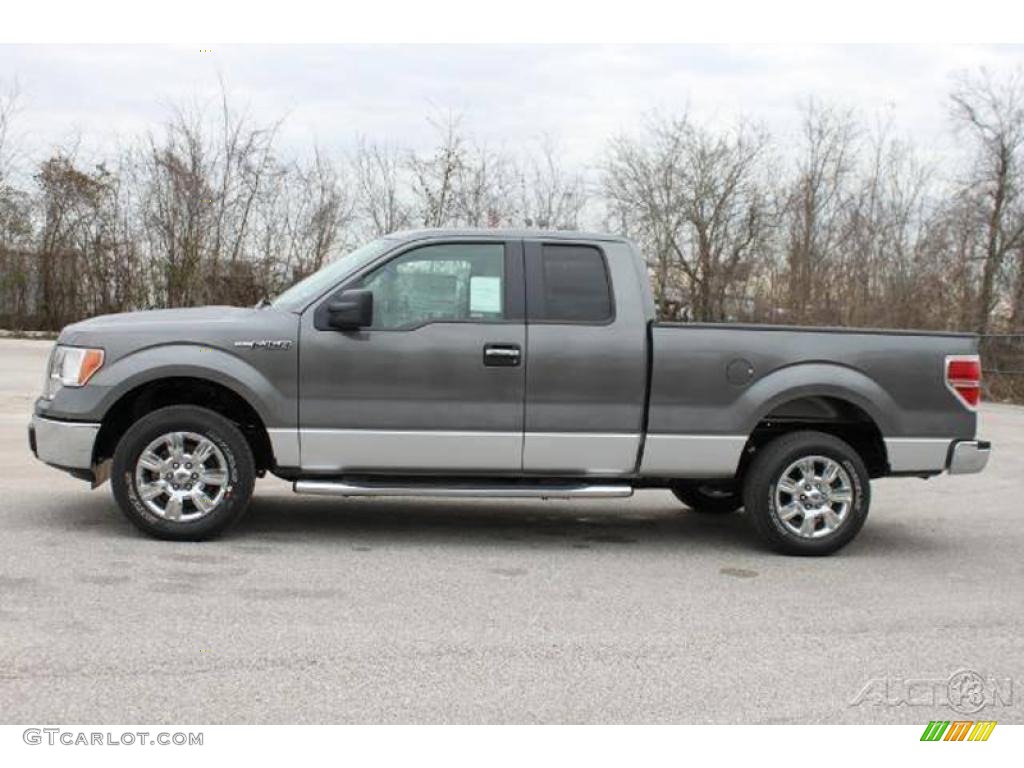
point(461, 182)
point(380, 201)
point(990, 112)
point(881, 259)
point(178, 216)
point(305, 225)
point(696, 200)
point(243, 159)
point(551, 196)
point(201, 184)
point(8, 110)
point(86, 257)
point(813, 206)
point(485, 189)
point(19, 273)
point(328, 209)
point(435, 175)
point(850, 227)
point(945, 279)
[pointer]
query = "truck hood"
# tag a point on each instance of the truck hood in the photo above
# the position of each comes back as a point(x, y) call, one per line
point(226, 328)
point(169, 320)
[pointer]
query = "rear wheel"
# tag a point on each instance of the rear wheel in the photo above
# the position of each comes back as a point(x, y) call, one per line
point(712, 499)
point(807, 493)
point(183, 473)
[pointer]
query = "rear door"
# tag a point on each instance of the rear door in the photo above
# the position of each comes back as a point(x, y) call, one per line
point(586, 370)
point(437, 383)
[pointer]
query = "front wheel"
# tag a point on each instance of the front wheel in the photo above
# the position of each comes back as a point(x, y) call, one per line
point(807, 493)
point(184, 473)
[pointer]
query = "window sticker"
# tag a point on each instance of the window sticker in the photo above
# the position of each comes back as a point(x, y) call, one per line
point(485, 295)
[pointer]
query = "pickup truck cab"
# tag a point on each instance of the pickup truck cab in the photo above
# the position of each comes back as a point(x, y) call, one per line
point(501, 364)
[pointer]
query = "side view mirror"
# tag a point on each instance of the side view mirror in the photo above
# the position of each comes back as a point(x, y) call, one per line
point(351, 310)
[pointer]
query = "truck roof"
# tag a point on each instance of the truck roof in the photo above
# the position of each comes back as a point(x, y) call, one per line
point(546, 234)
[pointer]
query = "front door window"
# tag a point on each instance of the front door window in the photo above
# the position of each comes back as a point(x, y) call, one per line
point(453, 282)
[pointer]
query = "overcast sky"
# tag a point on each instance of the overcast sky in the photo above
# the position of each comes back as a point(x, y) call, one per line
point(509, 95)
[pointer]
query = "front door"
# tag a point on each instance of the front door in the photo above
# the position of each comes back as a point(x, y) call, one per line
point(436, 384)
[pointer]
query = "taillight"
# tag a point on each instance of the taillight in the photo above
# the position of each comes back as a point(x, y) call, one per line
point(963, 377)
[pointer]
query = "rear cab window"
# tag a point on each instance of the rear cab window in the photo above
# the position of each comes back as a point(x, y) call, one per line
point(570, 284)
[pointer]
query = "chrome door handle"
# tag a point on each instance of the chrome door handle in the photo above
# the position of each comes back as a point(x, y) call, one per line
point(503, 355)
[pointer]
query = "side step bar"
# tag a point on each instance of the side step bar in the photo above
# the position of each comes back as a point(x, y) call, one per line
point(538, 491)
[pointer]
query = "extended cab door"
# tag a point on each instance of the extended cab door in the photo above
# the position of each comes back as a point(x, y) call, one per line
point(587, 367)
point(437, 383)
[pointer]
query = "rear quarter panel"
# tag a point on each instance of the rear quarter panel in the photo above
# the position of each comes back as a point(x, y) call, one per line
point(898, 378)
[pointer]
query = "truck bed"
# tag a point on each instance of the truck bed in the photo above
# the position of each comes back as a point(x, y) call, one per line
point(725, 378)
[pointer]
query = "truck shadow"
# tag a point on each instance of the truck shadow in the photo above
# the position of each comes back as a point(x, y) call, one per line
point(641, 523)
point(578, 525)
point(645, 522)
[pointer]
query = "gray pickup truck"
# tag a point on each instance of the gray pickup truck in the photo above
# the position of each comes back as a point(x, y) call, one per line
point(500, 364)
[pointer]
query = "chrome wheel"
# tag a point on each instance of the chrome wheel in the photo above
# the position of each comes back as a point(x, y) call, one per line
point(813, 496)
point(181, 476)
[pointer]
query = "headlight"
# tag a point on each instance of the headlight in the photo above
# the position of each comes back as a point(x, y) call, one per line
point(71, 367)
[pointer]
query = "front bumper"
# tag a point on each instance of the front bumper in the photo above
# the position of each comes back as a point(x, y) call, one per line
point(64, 444)
point(968, 456)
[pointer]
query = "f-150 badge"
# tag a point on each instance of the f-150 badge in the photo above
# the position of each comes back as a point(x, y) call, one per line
point(265, 344)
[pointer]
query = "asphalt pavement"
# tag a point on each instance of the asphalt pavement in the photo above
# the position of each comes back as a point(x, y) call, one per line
point(426, 611)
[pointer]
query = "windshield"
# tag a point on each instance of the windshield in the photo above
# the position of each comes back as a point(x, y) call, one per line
point(319, 282)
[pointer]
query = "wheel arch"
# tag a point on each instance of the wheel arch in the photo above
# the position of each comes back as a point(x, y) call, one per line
point(829, 398)
point(830, 414)
point(160, 392)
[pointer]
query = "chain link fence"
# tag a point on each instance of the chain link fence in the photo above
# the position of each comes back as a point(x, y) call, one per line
point(1002, 364)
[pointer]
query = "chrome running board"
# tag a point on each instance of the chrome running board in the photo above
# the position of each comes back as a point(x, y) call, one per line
point(510, 491)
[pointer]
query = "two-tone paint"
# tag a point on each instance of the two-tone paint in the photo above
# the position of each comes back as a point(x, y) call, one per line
point(627, 398)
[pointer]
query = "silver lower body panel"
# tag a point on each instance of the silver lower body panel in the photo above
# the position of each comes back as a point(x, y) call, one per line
point(917, 454)
point(285, 445)
point(580, 453)
point(367, 450)
point(364, 450)
point(702, 456)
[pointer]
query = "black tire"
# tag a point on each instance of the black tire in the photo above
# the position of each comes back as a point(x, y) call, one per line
point(233, 447)
point(709, 499)
point(766, 472)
